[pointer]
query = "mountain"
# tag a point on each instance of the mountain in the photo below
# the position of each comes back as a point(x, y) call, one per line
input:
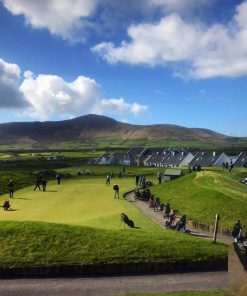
point(95, 128)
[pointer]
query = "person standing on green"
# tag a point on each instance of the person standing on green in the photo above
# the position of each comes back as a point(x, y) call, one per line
point(11, 188)
point(58, 178)
point(116, 191)
point(37, 183)
point(43, 181)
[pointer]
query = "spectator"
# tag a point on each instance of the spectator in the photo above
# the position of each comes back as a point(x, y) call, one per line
point(137, 180)
point(11, 188)
point(236, 230)
point(6, 205)
point(58, 178)
point(159, 177)
point(43, 181)
point(116, 191)
point(107, 179)
point(37, 183)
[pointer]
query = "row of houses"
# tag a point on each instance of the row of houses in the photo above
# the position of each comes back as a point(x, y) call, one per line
point(170, 157)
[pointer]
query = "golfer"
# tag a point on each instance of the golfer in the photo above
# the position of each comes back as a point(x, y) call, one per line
point(116, 191)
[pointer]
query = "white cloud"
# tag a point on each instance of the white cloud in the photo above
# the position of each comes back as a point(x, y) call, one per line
point(137, 108)
point(10, 97)
point(50, 94)
point(119, 106)
point(179, 5)
point(197, 50)
point(64, 18)
point(73, 20)
point(46, 95)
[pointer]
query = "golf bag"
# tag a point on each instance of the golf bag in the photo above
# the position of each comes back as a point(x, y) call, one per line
point(124, 218)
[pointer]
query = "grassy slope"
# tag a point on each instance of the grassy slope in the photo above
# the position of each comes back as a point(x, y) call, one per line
point(35, 243)
point(203, 194)
point(21, 179)
point(84, 202)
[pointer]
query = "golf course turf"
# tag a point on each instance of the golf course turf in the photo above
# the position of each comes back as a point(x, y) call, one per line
point(78, 222)
point(201, 195)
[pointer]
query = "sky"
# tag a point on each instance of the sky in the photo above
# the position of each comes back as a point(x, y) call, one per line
point(181, 62)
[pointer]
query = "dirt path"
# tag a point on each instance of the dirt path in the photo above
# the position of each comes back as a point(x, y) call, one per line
point(113, 286)
point(157, 216)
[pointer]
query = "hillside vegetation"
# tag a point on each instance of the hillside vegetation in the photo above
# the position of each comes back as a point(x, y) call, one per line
point(95, 131)
point(202, 194)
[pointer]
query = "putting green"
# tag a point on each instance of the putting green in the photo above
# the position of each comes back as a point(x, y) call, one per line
point(85, 201)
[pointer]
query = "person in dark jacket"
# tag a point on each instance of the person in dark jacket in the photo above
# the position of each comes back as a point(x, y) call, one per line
point(11, 188)
point(37, 183)
point(116, 191)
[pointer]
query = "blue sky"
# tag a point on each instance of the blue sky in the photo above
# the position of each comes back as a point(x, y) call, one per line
point(181, 62)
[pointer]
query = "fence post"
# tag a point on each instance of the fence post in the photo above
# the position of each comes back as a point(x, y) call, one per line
point(216, 224)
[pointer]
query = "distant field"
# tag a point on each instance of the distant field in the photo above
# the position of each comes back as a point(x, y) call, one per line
point(105, 143)
point(46, 154)
point(203, 194)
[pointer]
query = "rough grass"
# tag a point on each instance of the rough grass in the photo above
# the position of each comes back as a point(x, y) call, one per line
point(21, 179)
point(203, 194)
point(37, 243)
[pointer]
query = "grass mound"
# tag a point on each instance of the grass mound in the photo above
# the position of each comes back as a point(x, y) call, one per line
point(203, 194)
point(39, 243)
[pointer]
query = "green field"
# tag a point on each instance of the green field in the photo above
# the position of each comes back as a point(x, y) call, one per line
point(78, 222)
point(202, 194)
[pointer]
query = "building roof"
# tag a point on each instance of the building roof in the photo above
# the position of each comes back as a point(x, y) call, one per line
point(172, 172)
point(242, 159)
point(205, 158)
point(174, 158)
point(156, 157)
point(136, 150)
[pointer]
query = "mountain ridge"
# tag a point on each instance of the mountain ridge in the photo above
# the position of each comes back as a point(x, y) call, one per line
point(92, 127)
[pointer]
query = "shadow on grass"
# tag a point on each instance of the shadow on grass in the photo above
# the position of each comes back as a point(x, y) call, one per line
point(10, 209)
point(24, 198)
point(50, 191)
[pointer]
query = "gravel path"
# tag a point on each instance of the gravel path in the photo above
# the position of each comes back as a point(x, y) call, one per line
point(157, 216)
point(113, 286)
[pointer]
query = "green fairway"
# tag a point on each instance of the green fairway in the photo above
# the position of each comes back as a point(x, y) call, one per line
point(87, 201)
point(201, 195)
point(89, 228)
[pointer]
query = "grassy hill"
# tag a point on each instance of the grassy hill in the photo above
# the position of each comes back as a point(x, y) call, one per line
point(101, 131)
point(201, 195)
